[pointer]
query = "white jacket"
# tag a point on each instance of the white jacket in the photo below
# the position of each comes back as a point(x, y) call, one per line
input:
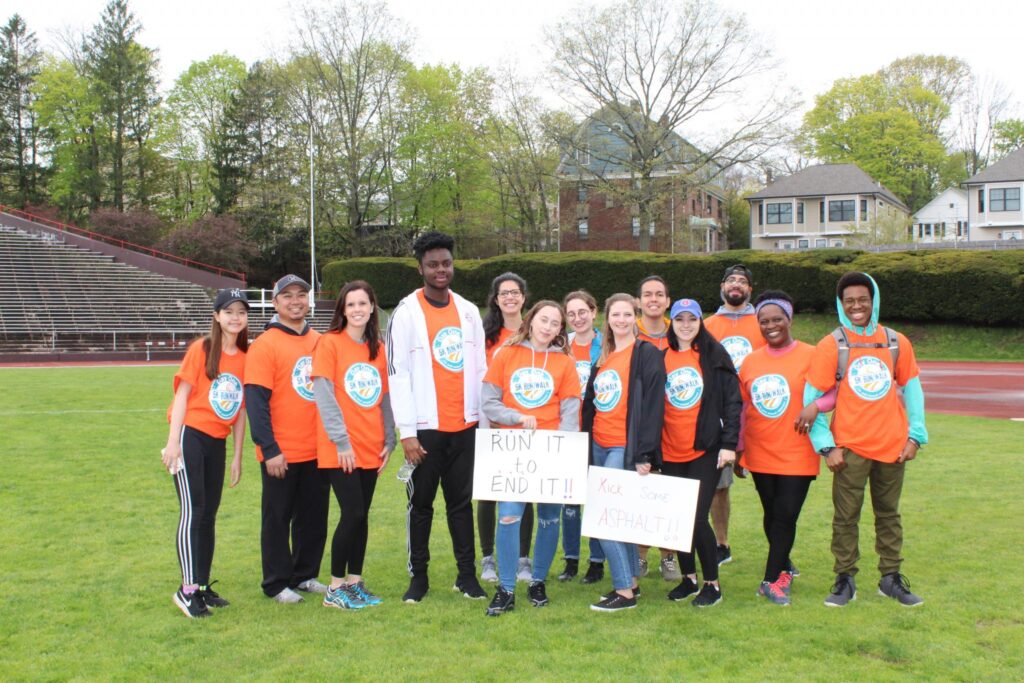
point(410, 365)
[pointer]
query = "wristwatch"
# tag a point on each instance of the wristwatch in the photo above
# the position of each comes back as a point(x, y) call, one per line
point(823, 452)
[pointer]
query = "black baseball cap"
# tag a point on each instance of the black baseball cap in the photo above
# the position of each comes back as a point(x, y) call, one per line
point(739, 269)
point(226, 297)
point(288, 281)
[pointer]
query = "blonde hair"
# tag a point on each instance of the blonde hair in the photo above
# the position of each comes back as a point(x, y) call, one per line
point(608, 337)
point(561, 340)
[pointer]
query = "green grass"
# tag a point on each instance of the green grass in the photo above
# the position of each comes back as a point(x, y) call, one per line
point(88, 569)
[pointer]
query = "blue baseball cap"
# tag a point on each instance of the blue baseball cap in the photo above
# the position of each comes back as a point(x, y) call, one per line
point(686, 306)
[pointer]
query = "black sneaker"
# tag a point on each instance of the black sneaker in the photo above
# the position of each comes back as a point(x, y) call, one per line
point(685, 589)
point(844, 590)
point(897, 587)
point(211, 598)
point(572, 568)
point(470, 588)
point(538, 594)
point(615, 603)
point(503, 601)
point(418, 587)
point(610, 594)
point(595, 573)
point(724, 554)
point(192, 606)
point(709, 595)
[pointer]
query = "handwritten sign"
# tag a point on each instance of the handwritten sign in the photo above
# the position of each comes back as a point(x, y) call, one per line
point(536, 467)
point(653, 510)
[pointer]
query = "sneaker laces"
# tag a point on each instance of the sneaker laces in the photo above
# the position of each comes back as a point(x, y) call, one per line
point(900, 583)
point(841, 584)
point(776, 589)
point(784, 580)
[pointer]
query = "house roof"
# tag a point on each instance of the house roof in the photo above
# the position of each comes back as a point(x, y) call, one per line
point(1010, 167)
point(943, 198)
point(827, 179)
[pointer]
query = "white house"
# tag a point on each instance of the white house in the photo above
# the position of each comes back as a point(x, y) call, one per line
point(943, 219)
point(994, 200)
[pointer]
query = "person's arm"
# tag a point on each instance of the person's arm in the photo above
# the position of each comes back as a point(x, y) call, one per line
point(330, 413)
point(569, 414)
point(238, 442)
point(172, 451)
point(821, 431)
point(732, 408)
point(389, 423)
point(496, 411)
point(913, 400)
point(257, 408)
point(653, 393)
point(398, 346)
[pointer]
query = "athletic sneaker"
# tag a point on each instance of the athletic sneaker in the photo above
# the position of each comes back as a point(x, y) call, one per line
point(470, 588)
point(288, 597)
point(488, 569)
point(343, 597)
point(614, 603)
point(684, 590)
point(538, 594)
point(774, 592)
point(793, 571)
point(644, 569)
point(724, 554)
point(503, 601)
point(709, 595)
point(312, 586)
point(211, 598)
point(843, 591)
point(365, 594)
point(611, 594)
point(595, 573)
point(418, 587)
point(785, 581)
point(670, 569)
point(572, 568)
point(897, 587)
point(525, 570)
point(192, 605)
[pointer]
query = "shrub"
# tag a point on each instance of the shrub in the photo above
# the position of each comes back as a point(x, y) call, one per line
point(140, 226)
point(215, 240)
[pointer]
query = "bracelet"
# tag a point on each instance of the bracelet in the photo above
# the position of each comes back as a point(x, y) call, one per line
point(915, 441)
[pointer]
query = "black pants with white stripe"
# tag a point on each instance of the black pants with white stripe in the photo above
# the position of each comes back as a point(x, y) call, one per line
point(199, 484)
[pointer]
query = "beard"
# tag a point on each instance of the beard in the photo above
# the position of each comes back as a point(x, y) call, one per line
point(735, 298)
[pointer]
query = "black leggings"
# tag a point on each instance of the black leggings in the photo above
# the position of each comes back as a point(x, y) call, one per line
point(782, 497)
point(705, 470)
point(199, 484)
point(486, 519)
point(354, 491)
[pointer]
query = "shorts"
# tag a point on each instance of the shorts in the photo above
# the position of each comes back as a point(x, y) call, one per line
point(724, 479)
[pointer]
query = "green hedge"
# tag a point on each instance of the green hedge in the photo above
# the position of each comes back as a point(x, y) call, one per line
point(980, 287)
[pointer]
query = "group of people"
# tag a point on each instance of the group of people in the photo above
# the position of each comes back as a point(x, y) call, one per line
point(658, 388)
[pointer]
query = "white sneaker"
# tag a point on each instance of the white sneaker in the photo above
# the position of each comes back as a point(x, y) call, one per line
point(288, 597)
point(525, 571)
point(488, 570)
point(312, 586)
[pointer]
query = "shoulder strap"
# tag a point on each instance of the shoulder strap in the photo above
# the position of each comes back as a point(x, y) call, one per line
point(892, 342)
point(843, 349)
point(894, 346)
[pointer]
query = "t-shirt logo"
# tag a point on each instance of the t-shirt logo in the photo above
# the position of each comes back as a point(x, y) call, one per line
point(583, 370)
point(448, 348)
point(683, 388)
point(532, 387)
point(737, 348)
point(869, 378)
point(362, 384)
point(301, 381)
point(226, 395)
point(770, 394)
point(607, 390)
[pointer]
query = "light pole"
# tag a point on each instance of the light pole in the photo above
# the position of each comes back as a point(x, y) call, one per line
point(312, 229)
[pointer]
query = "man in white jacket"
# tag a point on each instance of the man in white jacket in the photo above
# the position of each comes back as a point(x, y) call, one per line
point(436, 365)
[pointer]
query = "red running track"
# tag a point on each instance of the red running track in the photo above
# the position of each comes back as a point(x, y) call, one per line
point(974, 388)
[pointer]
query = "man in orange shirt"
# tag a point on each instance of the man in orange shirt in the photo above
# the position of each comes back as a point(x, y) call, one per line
point(282, 414)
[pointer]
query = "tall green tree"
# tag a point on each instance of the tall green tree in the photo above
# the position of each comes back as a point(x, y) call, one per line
point(1009, 136)
point(20, 65)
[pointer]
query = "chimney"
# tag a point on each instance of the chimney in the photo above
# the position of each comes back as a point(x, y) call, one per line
point(770, 176)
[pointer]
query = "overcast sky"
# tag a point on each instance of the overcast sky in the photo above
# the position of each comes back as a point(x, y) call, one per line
point(818, 41)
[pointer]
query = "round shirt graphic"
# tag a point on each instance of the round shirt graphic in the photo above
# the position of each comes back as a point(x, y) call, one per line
point(447, 348)
point(363, 384)
point(683, 388)
point(302, 382)
point(532, 387)
point(226, 396)
point(583, 370)
point(607, 390)
point(770, 395)
point(869, 378)
point(738, 348)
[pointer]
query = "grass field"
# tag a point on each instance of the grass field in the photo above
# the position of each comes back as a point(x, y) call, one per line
point(88, 569)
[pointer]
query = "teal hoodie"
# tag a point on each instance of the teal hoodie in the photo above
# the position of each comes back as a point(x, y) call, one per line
point(913, 394)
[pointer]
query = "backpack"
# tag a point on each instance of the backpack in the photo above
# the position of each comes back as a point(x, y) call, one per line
point(892, 342)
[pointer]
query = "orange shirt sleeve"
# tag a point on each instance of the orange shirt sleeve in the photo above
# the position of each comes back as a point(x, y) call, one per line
point(325, 358)
point(193, 366)
point(906, 365)
point(822, 373)
point(259, 366)
point(569, 382)
point(496, 371)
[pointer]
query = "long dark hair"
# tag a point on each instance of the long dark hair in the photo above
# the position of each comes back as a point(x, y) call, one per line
point(339, 322)
point(493, 319)
point(702, 343)
point(561, 340)
point(212, 346)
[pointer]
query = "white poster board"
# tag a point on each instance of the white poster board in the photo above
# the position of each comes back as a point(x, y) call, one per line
point(653, 509)
point(541, 466)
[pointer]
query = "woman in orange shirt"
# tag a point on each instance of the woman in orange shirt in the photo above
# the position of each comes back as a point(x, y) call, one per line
point(350, 383)
point(782, 459)
point(207, 406)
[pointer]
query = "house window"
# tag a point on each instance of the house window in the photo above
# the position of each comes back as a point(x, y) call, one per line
point(841, 210)
point(1011, 234)
point(581, 194)
point(780, 214)
point(636, 226)
point(981, 201)
point(821, 212)
point(583, 156)
point(800, 212)
point(803, 244)
point(650, 229)
point(942, 230)
point(760, 214)
point(960, 225)
point(863, 209)
point(837, 243)
point(1004, 199)
point(820, 243)
point(786, 244)
point(583, 228)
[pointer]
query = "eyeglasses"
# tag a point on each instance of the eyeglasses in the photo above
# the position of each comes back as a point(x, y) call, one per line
point(737, 281)
point(509, 294)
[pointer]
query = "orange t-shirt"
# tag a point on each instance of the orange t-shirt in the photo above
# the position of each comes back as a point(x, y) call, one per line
point(213, 405)
point(773, 390)
point(684, 387)
point(491, 349)
point(534, 383)
point(581, 355)
point(739, 336)
point(660, 343)
point(611, 398)
point(282, 362)
point(869, 419)
point(359, 386)
point(444, 330)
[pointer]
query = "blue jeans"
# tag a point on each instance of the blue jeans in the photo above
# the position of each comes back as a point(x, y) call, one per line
point(572, 522)
point(623, 558)
point(507, 540)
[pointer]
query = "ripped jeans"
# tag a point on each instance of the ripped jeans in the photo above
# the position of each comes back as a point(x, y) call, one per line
point(507, 542)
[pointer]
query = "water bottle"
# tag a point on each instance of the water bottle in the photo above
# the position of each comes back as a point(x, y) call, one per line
point(405, 472)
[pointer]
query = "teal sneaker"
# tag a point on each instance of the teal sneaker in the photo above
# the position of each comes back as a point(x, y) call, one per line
point(365, 595)
point(343, 597)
